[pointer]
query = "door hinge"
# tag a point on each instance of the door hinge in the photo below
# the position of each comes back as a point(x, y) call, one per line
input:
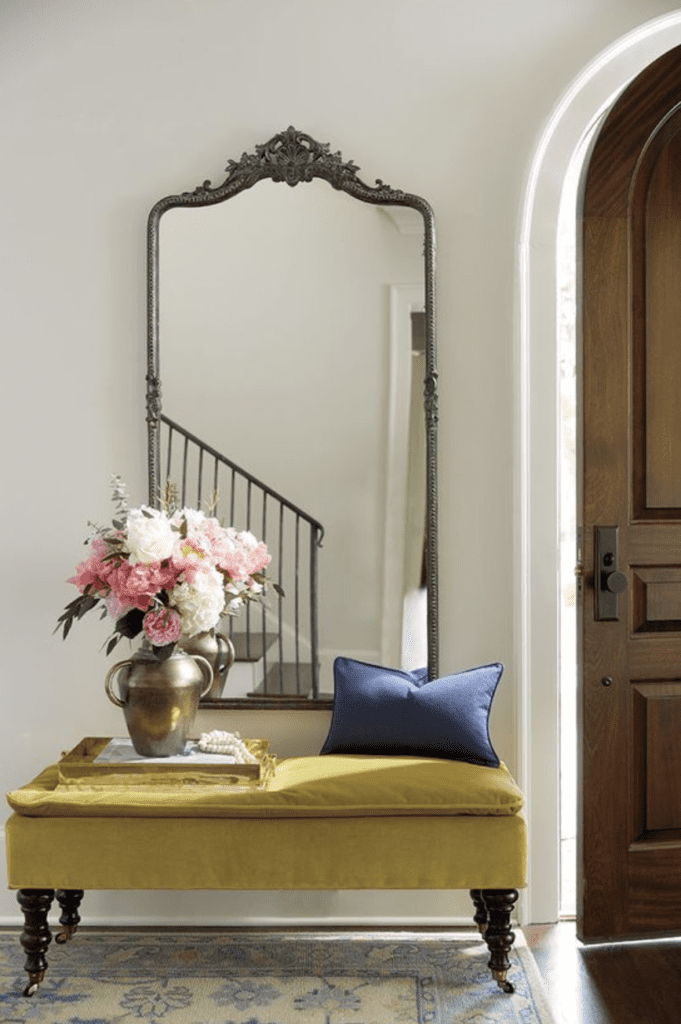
point(579, 567)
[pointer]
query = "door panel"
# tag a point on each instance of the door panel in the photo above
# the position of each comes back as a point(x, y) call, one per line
point(630, 667)
point(661, 409)
point(656, 596)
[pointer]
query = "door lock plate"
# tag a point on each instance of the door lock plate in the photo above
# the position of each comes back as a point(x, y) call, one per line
point(609, 581)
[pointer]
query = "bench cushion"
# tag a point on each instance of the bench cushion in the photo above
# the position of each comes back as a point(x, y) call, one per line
point(332, 786)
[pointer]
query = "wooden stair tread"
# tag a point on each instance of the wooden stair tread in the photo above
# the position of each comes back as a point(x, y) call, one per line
point(287, 679)
point(252, 648)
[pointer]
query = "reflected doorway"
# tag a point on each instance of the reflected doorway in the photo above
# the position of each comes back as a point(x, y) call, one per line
point(414, 632)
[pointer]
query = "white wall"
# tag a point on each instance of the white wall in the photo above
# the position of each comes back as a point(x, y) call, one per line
point(106, 107)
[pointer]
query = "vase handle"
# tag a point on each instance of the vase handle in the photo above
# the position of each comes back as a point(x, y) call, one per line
point(108, 682)
point(229, 652)
point(205, 667)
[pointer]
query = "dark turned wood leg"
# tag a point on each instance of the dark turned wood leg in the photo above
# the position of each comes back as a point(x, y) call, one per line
point(69, 901)
point(480, 910)
point(499, 935)
point(36, 935)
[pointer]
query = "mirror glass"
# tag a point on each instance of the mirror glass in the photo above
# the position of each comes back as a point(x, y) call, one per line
point(289, 340)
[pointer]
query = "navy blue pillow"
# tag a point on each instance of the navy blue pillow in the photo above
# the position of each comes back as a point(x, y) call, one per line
point(391, 712)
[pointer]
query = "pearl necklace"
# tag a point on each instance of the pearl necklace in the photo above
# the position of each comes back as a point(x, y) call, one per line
point(219, 742)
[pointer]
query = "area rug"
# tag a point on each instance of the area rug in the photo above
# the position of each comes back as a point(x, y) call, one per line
point(114, 976)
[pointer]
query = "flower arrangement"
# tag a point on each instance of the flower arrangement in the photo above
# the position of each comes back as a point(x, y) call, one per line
point(169, 573)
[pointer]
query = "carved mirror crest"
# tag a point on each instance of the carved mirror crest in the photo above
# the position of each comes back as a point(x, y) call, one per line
point(283, 346)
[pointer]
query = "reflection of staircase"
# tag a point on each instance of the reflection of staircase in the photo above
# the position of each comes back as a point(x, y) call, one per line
point(258, 672)
point(276, 645)
point(248, 671)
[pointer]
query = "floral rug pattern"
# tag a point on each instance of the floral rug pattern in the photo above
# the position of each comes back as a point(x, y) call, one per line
point(216, 977)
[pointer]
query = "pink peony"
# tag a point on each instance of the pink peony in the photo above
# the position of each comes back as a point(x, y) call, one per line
point(233, 564)
point(257, 558)
point(162, 627)
point(115, 607)
point(136, 585)
point(188, 558)
point(239, 555)
point(94, 572)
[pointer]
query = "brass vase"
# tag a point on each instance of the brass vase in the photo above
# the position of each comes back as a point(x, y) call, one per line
point(218, 650)
point(159, 698)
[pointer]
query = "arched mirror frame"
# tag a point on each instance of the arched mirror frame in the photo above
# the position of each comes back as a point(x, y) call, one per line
point(294, 157)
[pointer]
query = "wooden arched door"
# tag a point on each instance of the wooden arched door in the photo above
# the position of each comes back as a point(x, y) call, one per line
point(629, 864)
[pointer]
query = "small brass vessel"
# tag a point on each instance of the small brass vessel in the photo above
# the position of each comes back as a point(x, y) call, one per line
point(218, 650)
point(160, 698)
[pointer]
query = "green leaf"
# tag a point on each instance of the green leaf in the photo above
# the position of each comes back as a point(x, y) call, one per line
point(112, 643)
point(114, 554)
point(87, 603)
point(130, 624)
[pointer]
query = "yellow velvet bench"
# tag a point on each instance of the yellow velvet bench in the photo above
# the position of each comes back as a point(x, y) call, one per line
point(322, 822)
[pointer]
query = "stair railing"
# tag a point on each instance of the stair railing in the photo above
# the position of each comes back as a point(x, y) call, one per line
point(203, 476)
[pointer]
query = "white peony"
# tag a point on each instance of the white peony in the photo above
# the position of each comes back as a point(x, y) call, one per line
point(150, 537)
point(248, 539)
point(195, 519)
point(200, 603)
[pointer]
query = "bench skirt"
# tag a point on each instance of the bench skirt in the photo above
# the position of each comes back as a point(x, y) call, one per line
point(382, 852)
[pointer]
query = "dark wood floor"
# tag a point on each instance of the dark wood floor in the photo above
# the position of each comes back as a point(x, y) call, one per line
point(622, 983)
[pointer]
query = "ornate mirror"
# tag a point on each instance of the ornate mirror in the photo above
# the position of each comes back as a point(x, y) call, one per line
point(288, 329)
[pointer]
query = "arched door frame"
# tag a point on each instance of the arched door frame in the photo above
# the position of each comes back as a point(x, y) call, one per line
point(582, 105)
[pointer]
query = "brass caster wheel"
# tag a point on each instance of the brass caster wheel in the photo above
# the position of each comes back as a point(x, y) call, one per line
point(33, 984)
point(65, 935)
point(504, 985)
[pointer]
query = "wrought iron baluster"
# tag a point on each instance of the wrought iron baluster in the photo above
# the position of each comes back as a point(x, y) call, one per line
point(279, 601)
point(200, 476)
point(315, 541)
point(170, 453)
point(296, 604)
point(232, 497)
point(184, 471)
point(263, 617)
point(248, 607)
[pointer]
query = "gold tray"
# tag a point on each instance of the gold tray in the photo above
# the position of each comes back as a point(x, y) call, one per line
point(78, 767)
